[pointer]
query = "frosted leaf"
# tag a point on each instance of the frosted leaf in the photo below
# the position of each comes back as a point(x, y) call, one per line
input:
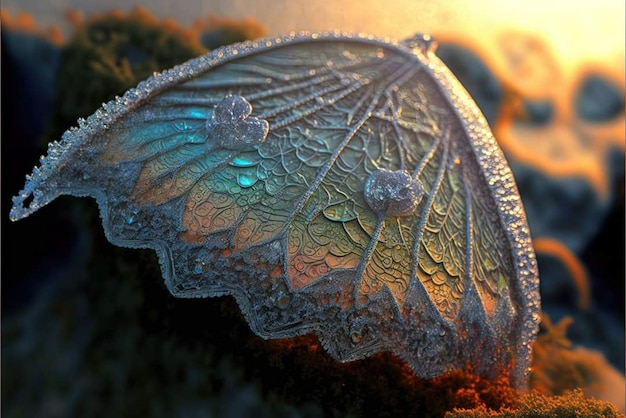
point(332, 183)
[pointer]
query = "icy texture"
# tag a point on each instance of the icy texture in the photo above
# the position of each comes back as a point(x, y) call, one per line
point(231, 127)
point(261, 171)
point(393, 193)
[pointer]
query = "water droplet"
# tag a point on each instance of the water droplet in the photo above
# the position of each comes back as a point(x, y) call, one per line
point(230, 125)
point(393, 193)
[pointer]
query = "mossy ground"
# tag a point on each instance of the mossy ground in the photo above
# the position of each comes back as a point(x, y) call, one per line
point(111, 338)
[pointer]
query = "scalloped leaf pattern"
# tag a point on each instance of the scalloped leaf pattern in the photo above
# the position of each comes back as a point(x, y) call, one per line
point(334, 184)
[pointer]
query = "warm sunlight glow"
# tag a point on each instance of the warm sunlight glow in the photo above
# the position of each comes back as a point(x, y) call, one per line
point(575, 30)
point(538, 49)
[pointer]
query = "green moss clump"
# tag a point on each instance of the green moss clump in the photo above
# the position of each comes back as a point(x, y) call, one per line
point(572, 404)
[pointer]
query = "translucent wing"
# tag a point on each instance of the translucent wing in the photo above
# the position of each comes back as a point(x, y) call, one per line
point(333, 184)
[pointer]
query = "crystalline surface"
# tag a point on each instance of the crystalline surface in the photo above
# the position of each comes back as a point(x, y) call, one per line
point(393, 193)
point(332, 183)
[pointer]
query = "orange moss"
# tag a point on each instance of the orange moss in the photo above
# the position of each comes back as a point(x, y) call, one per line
point(535, 405)
point(552, 369)
point(557, 369)
point(382, 385)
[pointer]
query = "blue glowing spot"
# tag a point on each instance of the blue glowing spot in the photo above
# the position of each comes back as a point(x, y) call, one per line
point(242, 161)
point(199, 267)
point(246, 180)
point(197, 114)
point(130, 216)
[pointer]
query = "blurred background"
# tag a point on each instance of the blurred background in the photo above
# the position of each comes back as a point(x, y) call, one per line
point(575, 32)
point(548, 75)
